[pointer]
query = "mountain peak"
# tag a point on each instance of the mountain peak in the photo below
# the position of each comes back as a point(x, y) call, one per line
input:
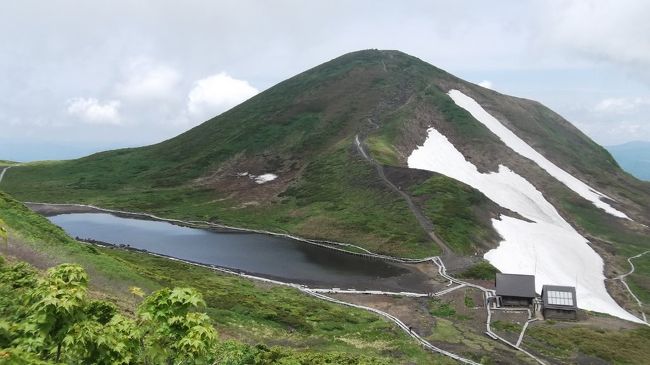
point(385, 60)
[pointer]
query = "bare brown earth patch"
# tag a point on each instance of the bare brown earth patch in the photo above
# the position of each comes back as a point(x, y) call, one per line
point(52, 209)
point(404, 177)
point(17, 249)
point(236, 178)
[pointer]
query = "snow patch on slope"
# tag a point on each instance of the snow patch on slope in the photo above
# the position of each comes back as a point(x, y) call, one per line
point(261, 179)
point(547, 247)
point(521, 147)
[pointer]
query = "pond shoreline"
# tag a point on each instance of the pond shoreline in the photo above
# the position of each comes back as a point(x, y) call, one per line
point(52, 209)
point(332, 266)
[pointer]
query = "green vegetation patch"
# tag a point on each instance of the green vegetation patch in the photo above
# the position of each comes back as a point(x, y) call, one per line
point(482, 270)
point(460, 119)
point(439, 308)
point(469, 301)
point(453, 209)
point(506, 326)
point(382, 150)
point(343, 193)
point(567, 342)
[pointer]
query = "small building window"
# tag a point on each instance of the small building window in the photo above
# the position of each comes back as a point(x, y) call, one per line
point(560, 297)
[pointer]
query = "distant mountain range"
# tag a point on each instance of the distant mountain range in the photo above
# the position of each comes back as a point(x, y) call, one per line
point(634, 157)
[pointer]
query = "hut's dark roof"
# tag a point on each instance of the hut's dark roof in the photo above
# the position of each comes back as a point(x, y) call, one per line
point(515, 285)
point(559, 297)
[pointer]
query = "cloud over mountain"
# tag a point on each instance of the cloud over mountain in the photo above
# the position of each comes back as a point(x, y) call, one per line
point(91, 110)
point(217, 93)
point(147, 80)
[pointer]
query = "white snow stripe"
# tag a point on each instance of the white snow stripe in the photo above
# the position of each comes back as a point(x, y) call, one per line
point(547, 247)
point(521, 147)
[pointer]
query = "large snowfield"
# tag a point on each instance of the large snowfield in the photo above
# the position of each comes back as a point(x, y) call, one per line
point(548, 246)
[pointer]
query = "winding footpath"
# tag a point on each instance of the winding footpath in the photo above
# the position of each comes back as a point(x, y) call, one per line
point(621, 278)
point(424, 222)
point(488, 293)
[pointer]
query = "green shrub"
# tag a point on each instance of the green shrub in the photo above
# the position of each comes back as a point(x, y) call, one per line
point(480, 271)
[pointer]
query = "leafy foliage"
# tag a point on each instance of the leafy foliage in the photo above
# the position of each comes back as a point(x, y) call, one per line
point(52, 321)
point(56, 304)
point(177, 334)
point(116, 342)
point(137, 292)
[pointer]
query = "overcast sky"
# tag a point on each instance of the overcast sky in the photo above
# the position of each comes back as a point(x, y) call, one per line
point(83, 76)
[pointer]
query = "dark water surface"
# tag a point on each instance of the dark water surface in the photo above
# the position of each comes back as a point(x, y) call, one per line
point(268, 256)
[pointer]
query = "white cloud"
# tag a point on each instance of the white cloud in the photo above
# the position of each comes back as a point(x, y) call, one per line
point(148, 80)
point(149, 57)
point(615, 31)
point(91, 110)
point(621, 105)
point(486, 84)
point(217, 93)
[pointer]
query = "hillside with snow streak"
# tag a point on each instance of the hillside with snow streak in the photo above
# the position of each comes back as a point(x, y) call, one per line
point(521, 147)
point(547, 246)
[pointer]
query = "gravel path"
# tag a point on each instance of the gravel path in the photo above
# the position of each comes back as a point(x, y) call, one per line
point(621, 278)
point(424, 222)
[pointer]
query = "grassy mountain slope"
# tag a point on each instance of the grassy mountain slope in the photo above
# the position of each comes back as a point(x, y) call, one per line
point(303, 130)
